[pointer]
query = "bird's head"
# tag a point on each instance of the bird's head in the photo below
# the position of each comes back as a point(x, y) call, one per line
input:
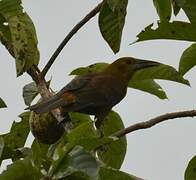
point(126, 67)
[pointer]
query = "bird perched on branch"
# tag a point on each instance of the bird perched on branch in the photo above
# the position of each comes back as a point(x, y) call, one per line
point(97, 93)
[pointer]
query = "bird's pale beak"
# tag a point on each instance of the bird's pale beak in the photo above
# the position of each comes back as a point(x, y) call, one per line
point(141, 64)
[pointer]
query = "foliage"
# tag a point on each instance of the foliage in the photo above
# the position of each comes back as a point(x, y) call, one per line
point(73, 156)
point(2, 103)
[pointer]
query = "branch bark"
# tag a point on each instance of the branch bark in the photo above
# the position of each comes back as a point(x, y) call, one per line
point(154, 121)
point(90, 15)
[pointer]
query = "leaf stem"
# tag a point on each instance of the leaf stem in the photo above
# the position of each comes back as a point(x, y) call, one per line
point(90, 15)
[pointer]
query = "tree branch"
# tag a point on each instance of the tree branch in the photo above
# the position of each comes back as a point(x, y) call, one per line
point(90, 15)
point(154, 121)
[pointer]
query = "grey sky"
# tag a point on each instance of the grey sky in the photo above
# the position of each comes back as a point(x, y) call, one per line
point(159, 153)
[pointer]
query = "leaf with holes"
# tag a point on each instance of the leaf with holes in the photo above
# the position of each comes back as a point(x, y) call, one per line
point(19, 35)
point(16, 138)
point(176, 30)
point(111, 22)
point(21, 169)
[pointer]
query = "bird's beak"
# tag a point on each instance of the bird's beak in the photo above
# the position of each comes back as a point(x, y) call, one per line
point(141, 64)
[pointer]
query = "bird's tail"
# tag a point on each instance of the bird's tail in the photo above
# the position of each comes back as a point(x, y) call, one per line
point(47, 105)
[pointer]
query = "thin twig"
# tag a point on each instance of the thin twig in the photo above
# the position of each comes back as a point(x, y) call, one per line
point(90, 15)
point(154, 121)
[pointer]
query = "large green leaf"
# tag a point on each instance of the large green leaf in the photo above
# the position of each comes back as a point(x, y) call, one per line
point(164, 72)
point(16, 138)
point(21, 170)
point(189, 7)
point(176, 30)
point(164, 9)
point(150, 86)
point(111, 22)
point(77, 160)
point(81, 134)
point(19, 35)
point(2, 103)
point(86, 136)
point(114, 153)
point(79, 118)
point(39, 155)
point(188, 59)
point(114, 174)
point(190, 173)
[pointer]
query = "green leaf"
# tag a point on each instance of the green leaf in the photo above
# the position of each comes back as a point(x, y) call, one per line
point(86, 136)
point(19, 35)
point(189, 7)
point(114, 174)
point(111, 22)
point(19, 170)
point(188, 59)
point(16, 138)
point(190, 173)
point(164, 72)
point(177, 4)
point(149, 86)
point(24, 42)
point(176, 30)
point(79, 118)
point(39, 155)
point(30, 91)
point(1, 146)
point(114, 153)
point(78, 176)
point(78, 160)
point(81, 134)
point(2, 104)
point(164, 9)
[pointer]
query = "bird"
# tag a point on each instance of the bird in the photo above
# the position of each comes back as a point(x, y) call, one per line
point(95, 93)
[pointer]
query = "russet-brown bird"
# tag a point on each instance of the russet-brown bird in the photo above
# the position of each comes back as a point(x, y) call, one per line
point(97, 93)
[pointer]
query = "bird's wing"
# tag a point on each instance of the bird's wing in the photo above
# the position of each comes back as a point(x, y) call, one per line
point(91, 96)
point(64, 97)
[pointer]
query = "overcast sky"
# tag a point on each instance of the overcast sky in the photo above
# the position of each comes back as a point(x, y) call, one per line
point(159, 153)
